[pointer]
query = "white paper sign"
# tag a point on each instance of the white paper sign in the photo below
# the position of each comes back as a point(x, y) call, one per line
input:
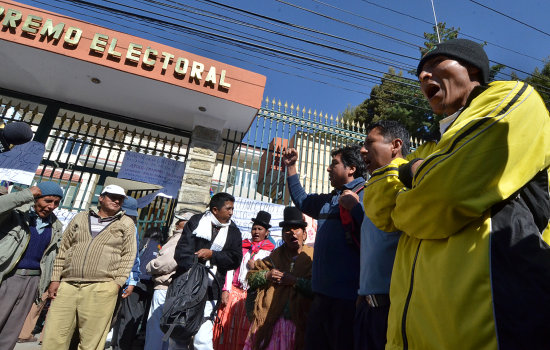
point(65, 216)
point(20, 163)
point(155, 170)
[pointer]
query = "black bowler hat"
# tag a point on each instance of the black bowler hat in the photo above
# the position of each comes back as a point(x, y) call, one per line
point(292, 216)
point(262, 219)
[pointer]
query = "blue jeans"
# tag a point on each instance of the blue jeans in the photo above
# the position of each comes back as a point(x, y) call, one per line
point(153, 335)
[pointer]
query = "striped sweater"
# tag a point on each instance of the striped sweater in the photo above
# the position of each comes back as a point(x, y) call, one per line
point(107, 257)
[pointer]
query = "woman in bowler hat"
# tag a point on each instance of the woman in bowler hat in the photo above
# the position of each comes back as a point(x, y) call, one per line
point(283, 284)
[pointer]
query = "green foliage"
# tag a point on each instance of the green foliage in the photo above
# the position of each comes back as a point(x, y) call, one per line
point(401, 99)
point(398, 98)
point(540, 80)
point(444, 33)
point(494, 70)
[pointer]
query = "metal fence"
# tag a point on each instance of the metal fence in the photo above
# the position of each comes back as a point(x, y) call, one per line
point(85, 149)
point(254, 169)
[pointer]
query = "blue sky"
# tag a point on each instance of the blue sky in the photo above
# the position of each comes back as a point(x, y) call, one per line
point(358, 39)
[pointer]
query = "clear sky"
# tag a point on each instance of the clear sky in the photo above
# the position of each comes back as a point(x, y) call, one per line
point(324, 55)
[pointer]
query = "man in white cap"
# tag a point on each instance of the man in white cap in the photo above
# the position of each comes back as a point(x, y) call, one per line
point(94, 260)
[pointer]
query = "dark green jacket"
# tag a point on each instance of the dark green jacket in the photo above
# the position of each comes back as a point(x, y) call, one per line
point(15, 236)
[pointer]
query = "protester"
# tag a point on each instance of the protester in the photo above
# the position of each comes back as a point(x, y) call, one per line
point(137, 295)
point(30, 234)
point(162, 268)
point(231, 331)
point(216, 241)
point(335, 278)
point(385, 145)
point(283, 283)
point(472, 270)
point(94, 260)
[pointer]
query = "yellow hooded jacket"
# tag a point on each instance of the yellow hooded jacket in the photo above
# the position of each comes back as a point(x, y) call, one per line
point(472, 270)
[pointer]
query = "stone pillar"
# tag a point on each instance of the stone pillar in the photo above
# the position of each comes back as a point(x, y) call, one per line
point(194, 194)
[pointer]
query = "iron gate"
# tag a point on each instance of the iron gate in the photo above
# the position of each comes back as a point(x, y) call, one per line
point(85, 147)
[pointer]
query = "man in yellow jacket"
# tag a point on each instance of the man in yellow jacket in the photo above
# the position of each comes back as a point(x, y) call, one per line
point(472, 269)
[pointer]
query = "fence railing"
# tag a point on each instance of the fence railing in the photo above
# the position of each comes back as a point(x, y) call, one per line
point(256, 170)
point(85, 147)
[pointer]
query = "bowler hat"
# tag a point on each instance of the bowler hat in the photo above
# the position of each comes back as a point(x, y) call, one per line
point(262, 219)
point(292, 216)
point(15, 133)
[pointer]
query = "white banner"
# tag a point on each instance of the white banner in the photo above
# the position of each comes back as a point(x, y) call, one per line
point(65, 216)
point(246, 209)
point(154, 170)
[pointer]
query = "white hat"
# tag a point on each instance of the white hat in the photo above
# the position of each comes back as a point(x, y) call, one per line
point(114, 189)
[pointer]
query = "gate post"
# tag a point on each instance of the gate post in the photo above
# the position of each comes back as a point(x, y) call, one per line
point(194, 192)
point(46, 124)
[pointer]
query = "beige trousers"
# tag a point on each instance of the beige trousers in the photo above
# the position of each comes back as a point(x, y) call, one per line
point(32, 317)
point(94, 304)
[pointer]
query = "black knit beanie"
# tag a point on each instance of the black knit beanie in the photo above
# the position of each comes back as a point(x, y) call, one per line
point(463, 50)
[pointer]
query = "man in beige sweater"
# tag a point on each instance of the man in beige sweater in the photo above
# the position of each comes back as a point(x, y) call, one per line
point(94, 260)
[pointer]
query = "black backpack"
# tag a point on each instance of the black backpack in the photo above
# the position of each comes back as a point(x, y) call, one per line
point(182, 313)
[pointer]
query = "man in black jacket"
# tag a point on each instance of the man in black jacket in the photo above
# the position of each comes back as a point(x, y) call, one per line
point(216, 241)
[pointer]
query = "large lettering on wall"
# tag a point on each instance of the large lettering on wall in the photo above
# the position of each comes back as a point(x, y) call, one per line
point(107, 47)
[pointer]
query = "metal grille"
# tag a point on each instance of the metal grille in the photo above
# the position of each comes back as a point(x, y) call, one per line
point(250, 165)
point(84, 149)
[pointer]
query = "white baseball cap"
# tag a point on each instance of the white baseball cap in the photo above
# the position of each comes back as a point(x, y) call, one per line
point(114, 189)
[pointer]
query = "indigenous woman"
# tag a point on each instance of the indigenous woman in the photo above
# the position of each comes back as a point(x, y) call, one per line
point(283, 282)
point(231, 332)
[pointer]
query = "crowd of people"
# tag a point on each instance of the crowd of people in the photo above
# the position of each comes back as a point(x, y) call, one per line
point(441, 247)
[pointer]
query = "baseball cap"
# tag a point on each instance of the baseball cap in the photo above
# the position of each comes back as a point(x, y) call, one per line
point(130, 206)
point(114, 189)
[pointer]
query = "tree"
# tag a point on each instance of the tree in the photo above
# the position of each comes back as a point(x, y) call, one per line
point(399, 98)
point(540, 80)
point(432, 38)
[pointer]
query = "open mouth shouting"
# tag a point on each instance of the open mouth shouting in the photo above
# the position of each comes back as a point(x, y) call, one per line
point(430, 90)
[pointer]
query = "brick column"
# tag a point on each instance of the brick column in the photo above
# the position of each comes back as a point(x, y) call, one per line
point(194, 193)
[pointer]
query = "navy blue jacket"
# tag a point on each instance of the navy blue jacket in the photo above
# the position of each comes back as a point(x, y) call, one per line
point(335, 261)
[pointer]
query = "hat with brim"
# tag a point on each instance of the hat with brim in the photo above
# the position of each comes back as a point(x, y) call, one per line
point(114, 189)
point(292, 216)
point(130, 206)
point(262, 219)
